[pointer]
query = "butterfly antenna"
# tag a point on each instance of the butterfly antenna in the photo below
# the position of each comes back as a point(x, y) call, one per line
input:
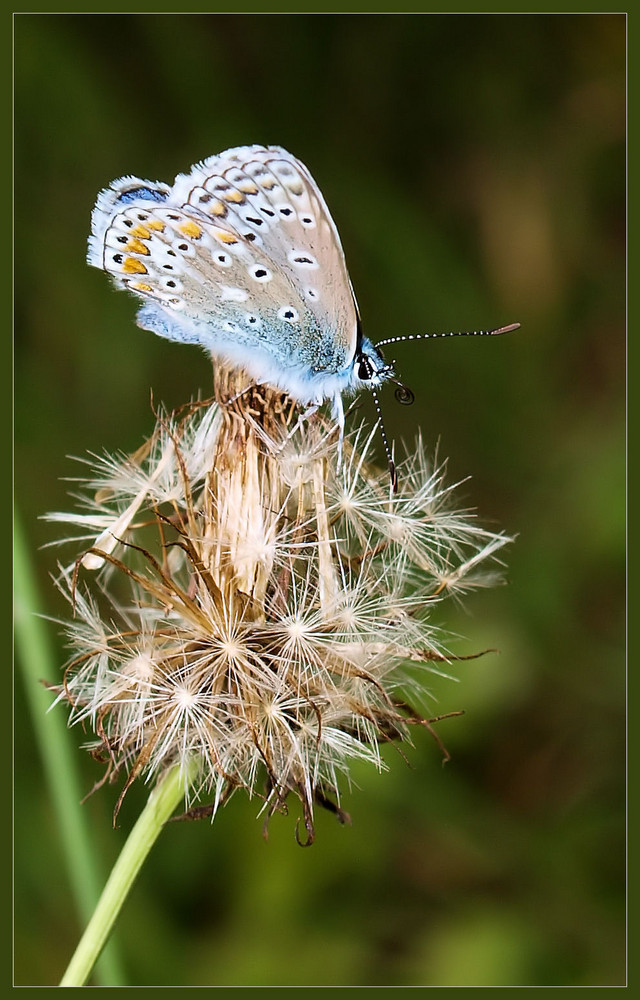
point(402, 393)
point(385, 441)
point(497, 331)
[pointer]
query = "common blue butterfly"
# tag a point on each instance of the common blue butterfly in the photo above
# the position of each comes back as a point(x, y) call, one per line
point(242, 257)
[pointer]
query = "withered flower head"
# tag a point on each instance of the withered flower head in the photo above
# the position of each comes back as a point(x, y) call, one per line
point(276, 590)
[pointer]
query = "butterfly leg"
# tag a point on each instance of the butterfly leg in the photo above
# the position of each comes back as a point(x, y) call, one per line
point(310, 410)
point(337, 412)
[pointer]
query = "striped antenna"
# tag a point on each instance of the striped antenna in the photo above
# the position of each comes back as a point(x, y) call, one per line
point(385, 442)
point(403, 393)
point(454, 333)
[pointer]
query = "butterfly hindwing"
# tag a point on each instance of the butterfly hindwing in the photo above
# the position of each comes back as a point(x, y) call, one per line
point(241, 256)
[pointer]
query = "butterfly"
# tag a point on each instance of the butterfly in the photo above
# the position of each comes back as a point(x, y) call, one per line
point(241, 256)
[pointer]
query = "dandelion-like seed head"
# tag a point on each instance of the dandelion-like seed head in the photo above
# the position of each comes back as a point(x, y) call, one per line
point(252, 595)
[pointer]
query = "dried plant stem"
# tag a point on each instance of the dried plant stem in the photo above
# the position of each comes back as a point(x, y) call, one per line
point(163, 800)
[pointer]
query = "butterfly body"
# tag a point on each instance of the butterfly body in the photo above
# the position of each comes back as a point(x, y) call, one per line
point(242, 257)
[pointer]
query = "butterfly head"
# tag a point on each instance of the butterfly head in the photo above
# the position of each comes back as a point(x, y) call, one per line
point(371, 371)
point(370, 368)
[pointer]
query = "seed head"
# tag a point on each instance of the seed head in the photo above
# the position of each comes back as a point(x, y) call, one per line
point(253, 598)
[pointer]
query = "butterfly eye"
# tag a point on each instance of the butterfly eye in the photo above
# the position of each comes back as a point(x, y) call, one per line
point(365, 368)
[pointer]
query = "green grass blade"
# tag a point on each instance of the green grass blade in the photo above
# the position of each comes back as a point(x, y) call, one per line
point(36, 664)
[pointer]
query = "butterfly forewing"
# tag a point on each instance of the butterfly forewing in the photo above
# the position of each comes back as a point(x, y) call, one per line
point(240, 253)
point(270, 198)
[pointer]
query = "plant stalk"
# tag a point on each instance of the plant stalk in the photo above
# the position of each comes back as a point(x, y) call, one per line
point(160, 805)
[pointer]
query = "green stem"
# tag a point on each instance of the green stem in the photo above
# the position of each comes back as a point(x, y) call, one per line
point(37, 664)
point(160, 805)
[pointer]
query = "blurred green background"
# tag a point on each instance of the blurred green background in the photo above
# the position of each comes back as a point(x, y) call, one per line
point(475, 166)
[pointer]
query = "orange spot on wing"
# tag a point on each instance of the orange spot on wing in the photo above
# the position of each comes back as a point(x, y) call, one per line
point(189, 228)
point(225, 237)
point(156, 225)
point(217, 208)
point(248, 187)
point(235, 196)
point(140, 231)
point(135, 246)
point(140, 286)
point(133, 266)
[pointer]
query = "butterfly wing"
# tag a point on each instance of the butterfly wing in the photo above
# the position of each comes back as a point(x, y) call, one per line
point(242, 257)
